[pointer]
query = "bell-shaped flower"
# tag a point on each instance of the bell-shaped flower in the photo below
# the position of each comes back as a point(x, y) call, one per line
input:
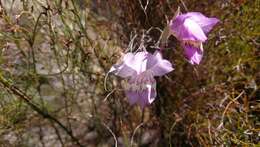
point(139, 69)
point(191, 29)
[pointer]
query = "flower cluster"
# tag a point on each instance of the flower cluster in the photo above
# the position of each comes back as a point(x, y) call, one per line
point(140, 68)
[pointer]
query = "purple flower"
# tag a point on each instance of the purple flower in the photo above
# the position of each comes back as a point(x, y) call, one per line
point(139, 69)
point(191, 29)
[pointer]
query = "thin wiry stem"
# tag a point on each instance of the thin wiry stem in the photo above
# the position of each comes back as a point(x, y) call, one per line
point(170, 134)
point(132, 138)
point(113, 134)
point(227, 107)
point(184, 5)
point(58, 134)
point(20, 94)
point(144, 9)
point(109, 94)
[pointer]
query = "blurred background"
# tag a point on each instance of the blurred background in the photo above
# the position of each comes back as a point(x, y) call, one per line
point(54, 88)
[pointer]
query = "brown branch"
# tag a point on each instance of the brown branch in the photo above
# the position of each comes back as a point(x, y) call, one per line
point(20, 94)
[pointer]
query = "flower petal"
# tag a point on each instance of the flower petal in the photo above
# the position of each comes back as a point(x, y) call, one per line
point(136, 61)
point(193, 54)
point(158, 65)
point(185, 28)
point(190, 30)
point(204, 22)
point(122, 70)
point(147, 96)
point(153, 59)
point(132, 96)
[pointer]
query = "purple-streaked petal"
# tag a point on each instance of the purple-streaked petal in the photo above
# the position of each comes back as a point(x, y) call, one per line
point(153, 59)
point(132, 96)
point(136, 61)
point(158, 65)
point(186, 29)
point(190, 30)
point(122, 70)
point(132, 64)
point(147, 96)
point(193, 54)
point(206, 23)
point(161, 68)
